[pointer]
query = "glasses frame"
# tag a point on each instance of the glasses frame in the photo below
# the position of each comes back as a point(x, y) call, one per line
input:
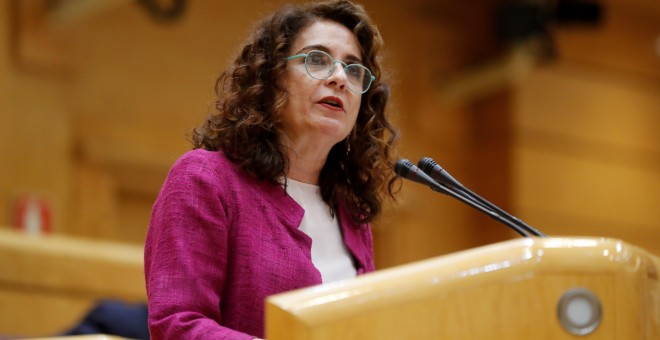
point(332, 68)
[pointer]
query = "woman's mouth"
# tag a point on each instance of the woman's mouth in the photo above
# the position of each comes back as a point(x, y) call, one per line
point(332, 102)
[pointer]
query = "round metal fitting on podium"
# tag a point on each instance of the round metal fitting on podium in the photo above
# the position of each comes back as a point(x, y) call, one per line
point(579, 311)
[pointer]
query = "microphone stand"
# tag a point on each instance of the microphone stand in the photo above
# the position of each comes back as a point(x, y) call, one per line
point(406, 169)
point(431, 168)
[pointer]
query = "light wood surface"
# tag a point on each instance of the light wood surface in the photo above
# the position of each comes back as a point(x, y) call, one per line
point(49, 282)
point(508, 290)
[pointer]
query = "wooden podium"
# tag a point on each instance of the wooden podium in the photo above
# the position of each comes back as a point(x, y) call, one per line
point(553, 288)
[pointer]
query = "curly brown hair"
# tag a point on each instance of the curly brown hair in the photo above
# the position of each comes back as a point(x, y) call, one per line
point(247, 124)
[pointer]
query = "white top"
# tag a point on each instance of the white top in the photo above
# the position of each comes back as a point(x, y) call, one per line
point(329, 254)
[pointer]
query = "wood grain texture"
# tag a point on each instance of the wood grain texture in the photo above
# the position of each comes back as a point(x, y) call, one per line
point(507, 290)
point(49, 282)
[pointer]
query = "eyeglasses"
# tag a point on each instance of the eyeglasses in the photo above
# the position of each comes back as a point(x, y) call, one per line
point(320, 65)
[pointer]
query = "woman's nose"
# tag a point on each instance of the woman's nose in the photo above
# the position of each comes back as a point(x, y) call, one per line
point(338, 75)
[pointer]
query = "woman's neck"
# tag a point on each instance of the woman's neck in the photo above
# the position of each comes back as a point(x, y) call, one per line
point(306, 160)
point(305, 169)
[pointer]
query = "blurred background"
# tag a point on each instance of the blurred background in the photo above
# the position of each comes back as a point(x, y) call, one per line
point(549, 109)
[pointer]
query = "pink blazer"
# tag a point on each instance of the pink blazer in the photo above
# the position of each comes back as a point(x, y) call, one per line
point(220, 242)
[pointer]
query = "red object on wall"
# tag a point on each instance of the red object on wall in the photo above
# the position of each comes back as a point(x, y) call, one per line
point(33, 215)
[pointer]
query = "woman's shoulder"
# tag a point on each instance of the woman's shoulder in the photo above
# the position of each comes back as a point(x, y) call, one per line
point(205, 164)
point(204, 159)
point(214, 171)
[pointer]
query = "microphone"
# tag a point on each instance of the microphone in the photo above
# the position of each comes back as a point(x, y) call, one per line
point(437, 173)
point(433, 169)
point(406, 169)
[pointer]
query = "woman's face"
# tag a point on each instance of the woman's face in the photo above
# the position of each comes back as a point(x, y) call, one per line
point(321, 110)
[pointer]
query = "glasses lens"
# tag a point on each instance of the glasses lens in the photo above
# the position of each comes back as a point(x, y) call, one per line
point(359, 78)
point(318, 64)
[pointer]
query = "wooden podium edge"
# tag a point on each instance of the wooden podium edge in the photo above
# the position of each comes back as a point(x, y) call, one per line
point(510, 260)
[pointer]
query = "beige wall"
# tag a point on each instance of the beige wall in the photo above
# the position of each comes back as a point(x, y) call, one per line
point(36, 132)
point(98, 135)
point(588, 155)
point(5, 85)
point(587, 132)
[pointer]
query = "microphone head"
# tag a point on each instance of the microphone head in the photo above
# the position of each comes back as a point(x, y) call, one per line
point(435, 171)
point(406, 169)
point(427, 164)
point(402, 167)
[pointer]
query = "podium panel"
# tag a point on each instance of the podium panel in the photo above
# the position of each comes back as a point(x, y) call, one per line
point(551, 288)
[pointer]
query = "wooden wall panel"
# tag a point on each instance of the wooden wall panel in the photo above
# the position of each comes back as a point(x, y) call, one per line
point(48, 283)
point(423, 223)
point(588, 155)
point(587, 129)
point(38, 312)
point(6, 81)
point(36, 130)
point(624, 41)
point(427, 44)
point(38, 144)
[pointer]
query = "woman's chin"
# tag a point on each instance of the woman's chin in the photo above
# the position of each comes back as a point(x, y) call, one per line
point(334, 127)
point(333, 135)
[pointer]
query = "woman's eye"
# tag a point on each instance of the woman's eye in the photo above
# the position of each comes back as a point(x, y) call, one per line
point(316, 60)
point(354, 72)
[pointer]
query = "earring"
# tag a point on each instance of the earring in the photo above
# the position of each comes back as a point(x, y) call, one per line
point(348, 146)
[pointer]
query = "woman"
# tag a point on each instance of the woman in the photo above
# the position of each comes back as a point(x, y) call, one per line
point(283, 181)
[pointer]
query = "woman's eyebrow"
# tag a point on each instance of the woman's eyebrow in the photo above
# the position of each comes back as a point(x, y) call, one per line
point(350, 59)
point(313, 47)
